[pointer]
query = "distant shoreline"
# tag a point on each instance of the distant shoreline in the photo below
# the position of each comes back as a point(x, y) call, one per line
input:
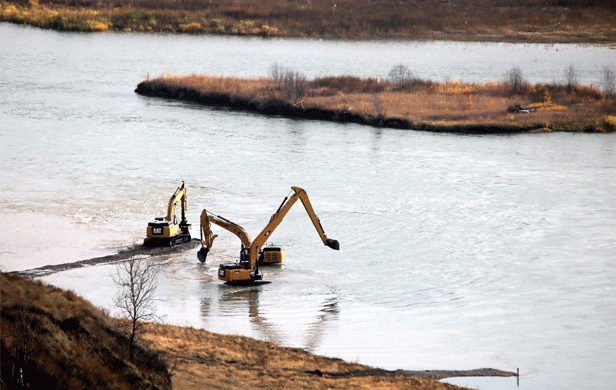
point(492, 21)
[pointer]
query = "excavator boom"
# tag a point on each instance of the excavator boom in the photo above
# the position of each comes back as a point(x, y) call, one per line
point(207, 236)
point(179, 195)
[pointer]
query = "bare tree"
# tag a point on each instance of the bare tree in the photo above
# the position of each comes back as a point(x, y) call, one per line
point(294, 85)
point(400, 76)
point(136, 279)
point(276, 74)
point(377, 103)
point(24, 347)
point(515, 80)
point(609, 82)
point(571, 78)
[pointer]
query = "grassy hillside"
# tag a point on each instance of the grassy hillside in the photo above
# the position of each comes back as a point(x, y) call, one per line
point(474, 20)
point(52, 339)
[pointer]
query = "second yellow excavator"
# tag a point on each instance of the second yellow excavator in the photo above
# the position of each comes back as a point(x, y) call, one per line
point(246, 271)
point(268, 255)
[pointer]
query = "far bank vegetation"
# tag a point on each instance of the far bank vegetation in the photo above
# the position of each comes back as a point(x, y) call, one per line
point(508, 103)
point(471, 20)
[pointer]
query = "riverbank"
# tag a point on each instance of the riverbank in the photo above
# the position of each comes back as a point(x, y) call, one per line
point(46, 330)
point(202, 359)
point(547, 21)
point(411, 104)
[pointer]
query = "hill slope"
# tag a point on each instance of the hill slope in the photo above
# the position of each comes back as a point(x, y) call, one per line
point(52, 339)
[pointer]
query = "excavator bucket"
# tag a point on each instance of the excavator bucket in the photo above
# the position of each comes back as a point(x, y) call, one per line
point(202, 254)
point(333, 244)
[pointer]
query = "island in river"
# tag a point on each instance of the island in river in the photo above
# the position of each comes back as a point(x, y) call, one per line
point(402, 102)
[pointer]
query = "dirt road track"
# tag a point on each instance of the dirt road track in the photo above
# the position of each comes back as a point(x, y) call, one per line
point(123, 254)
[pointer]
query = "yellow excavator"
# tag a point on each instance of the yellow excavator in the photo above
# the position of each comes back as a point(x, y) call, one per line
point(268, 255)
point(166, 231)
point(246, 271)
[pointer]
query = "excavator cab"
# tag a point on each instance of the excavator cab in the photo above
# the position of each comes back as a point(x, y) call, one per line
point(241, 272)
point(245, 257)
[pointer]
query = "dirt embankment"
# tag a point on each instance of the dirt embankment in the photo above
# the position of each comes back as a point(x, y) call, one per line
point(201, 359)
point(53, 339)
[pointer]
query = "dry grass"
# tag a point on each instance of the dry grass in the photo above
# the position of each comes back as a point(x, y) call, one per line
point(61, 341)
point(422, 104)
point(487, 20)
point(210, 361)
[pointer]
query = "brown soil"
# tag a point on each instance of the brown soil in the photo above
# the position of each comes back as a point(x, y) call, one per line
point(53, 339)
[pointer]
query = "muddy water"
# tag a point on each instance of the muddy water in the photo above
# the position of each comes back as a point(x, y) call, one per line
point(456, 252)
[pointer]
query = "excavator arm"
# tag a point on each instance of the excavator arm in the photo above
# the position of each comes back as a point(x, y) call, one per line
point(179, 195)
point(207, 236)
point(277, 218)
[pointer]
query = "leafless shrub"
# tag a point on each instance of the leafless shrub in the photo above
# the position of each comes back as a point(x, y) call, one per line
point(276, 73)
point(400, 76)
point(294, 85)
point(136, 279)
point(515, 82)
point(331, 85)
point(609, 82)
point(24, 347)
point(570, 78)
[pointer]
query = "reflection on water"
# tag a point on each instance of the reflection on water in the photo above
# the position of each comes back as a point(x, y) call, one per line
point(238, 301)
point(329, 312)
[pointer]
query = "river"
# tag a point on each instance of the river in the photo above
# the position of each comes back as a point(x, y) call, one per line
point(457, 252)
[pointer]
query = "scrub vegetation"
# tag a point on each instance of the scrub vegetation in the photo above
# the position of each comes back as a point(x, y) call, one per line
point(472, 20)
point(53, 339)
point(403, 101)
